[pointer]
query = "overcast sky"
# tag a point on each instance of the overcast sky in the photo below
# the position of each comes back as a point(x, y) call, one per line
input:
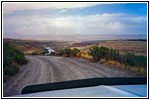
point(74, 21)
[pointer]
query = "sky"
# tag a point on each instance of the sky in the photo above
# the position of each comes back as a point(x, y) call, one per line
point(74, 21)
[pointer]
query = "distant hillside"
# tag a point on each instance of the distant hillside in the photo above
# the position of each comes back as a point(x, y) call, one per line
point(32, 45)
point(91, 42)
point(131, 40)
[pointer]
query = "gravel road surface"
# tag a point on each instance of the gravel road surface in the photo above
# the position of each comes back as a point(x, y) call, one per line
point(47, 69)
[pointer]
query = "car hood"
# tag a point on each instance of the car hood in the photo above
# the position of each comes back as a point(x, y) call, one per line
point(95, 91)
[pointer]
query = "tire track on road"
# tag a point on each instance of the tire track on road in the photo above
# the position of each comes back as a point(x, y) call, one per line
point(48, 69)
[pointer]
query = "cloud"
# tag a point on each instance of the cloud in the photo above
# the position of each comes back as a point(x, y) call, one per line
point(62, 11)
point(45, 27)
point(59, 21)
point(12, 7)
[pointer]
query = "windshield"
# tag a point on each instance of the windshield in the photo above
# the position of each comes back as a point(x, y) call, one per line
point(47, 42)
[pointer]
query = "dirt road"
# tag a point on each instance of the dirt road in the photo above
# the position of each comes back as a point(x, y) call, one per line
point(46, 69)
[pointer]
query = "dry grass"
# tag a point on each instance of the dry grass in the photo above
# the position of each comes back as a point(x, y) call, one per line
point(138, 69)
point(29, 51)
point(84, 54)
point(136, 47)
point(83, 48)
point(112, 63)
point(116, 63)
point(103, 61)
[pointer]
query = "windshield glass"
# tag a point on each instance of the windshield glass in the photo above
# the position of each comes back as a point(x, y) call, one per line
point(47, 42)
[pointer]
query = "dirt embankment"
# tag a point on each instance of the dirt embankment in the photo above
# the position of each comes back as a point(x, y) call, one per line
point(46, 69)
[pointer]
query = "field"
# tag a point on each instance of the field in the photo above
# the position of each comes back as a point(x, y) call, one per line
point(136, 47)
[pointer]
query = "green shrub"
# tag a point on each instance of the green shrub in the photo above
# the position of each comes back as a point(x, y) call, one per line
point(102, 52)
point(74, 52)
point(19, 57)
point(60, 52)
point(141, 61)
point(67, 52)
point(13, 54)
point(11, 69)
point(113, 55)
point(128, 59)
point(95, 53)
point(12, 57)
point(133, 60)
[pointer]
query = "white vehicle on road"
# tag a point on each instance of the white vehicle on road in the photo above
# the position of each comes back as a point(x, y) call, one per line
point(49, 50)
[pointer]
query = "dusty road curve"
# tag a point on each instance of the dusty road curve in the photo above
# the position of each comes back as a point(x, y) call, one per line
point(46, 69)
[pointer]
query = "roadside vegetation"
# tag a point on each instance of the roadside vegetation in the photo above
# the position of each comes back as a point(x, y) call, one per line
point(112, 57)
point(68, 52)
point(38, 52)
point(108, 56)
point(12, 58)
point(102, 52)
